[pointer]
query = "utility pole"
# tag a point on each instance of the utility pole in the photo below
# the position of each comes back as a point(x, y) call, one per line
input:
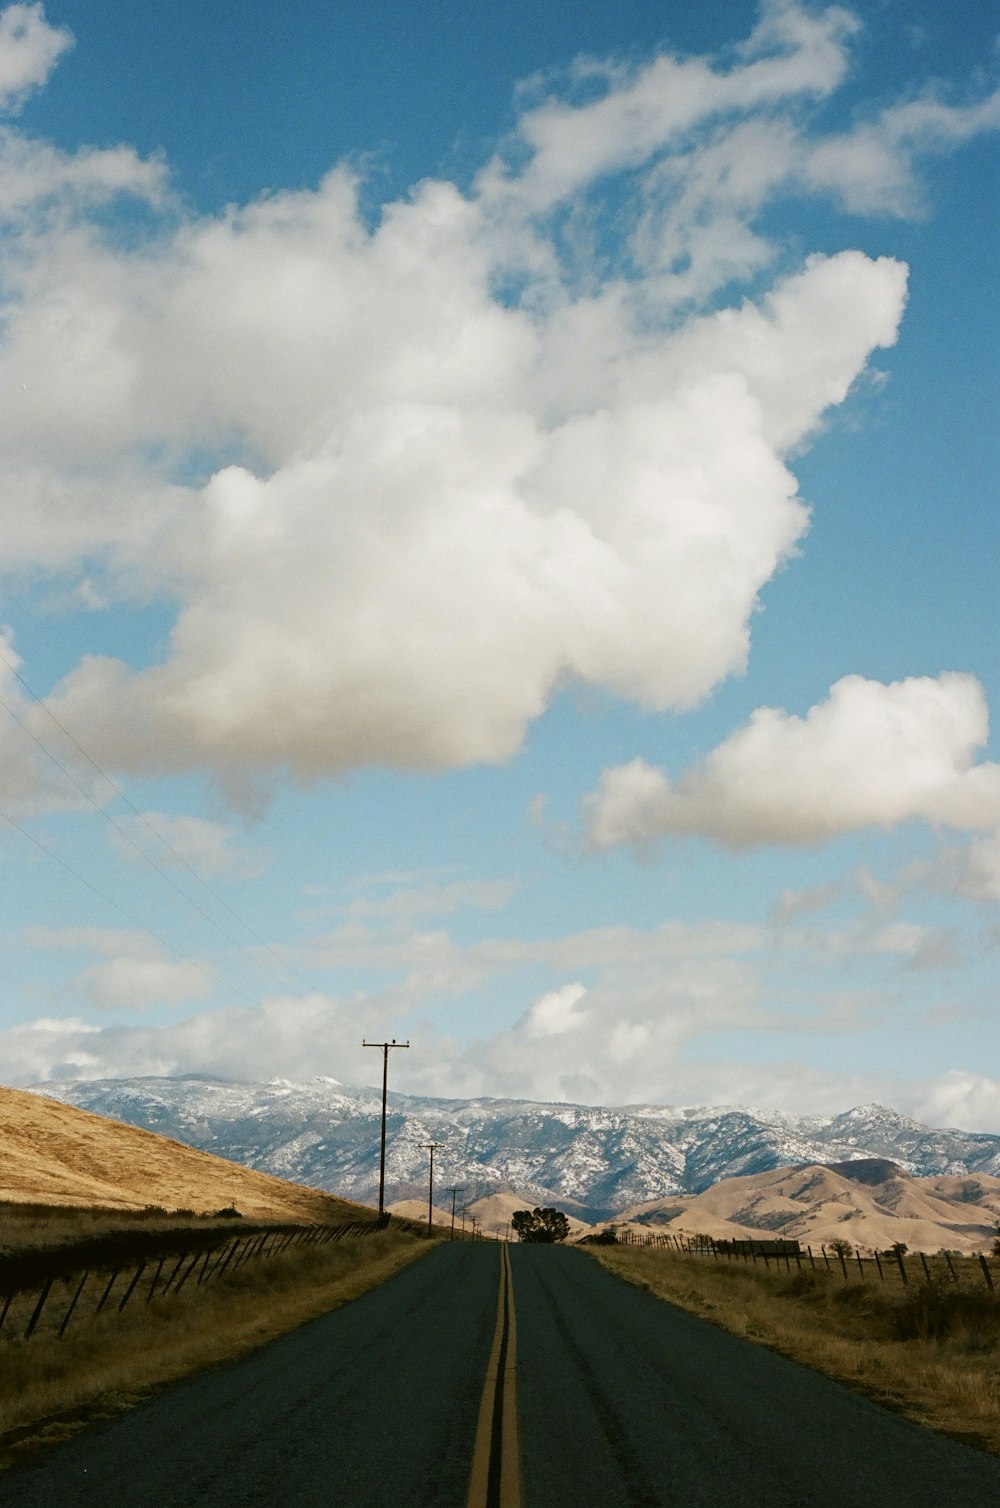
point(460, 1189)
point(385, 1048)
point(431, 1147)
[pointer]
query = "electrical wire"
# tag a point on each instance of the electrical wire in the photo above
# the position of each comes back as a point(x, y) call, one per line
point(134, 921)
point(128, 838)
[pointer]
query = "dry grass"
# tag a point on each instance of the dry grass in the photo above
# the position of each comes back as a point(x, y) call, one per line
point(50, 1388)
point(930, 1351)
point(43, 1227)
point(58, 1155)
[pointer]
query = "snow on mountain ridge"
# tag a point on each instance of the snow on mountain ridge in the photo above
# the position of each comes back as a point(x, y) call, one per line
point(598, 1159)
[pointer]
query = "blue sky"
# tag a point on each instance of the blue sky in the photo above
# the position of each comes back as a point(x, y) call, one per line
point(499, 548)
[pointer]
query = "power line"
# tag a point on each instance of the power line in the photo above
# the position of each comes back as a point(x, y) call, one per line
point(134, 921)
point(126, 835)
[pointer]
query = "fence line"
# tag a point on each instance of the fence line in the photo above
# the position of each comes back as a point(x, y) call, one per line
point(216, 1258)
point(940, 1270)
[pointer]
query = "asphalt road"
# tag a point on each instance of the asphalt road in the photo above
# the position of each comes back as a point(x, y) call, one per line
point(619, 1398)
point(623, 1398)
point(373, 1405)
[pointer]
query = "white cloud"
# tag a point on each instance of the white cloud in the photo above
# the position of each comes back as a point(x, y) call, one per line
point(492, 558)
point(960, 1098)
point(29, 50)
point(300, 1038)
point(872, 166)
point(970, 870)
point(791, 53)
point(135, 971)
point(980, 872)
point(172, 840)
point(400, 899)
point(655, 1022)
point(431, 506)
point(792, 904)
point(599, 1045)
point(554, 1014)
point(31, 781)
point(871, 755)
point(133, 982)
point(434, 963)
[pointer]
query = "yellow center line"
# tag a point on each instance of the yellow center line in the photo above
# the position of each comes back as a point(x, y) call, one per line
point(496, 1465)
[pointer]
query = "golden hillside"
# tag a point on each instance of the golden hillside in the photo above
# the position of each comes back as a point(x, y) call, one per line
point(55, 1154)
point(817, 1205)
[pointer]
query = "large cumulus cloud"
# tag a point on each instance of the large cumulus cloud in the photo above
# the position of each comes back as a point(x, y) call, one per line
point(400, 481)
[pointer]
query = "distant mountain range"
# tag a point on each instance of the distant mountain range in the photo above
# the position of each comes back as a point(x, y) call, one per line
point(592, 1161)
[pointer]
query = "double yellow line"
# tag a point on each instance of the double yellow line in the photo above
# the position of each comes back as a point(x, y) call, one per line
point(496, 1463)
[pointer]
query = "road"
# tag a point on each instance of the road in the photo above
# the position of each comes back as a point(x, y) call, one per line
point(541, 1382)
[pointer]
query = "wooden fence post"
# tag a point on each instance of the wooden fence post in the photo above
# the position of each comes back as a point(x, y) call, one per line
point(217, 1252)
point(36, 1316)
point(857, 1252)
point(156, 1279)
point(927, 1273)
point(131, 1287)
point(6, 1305)
point(187, 1272)
point(221, 1271)
point(72, 1304)
point(951, 1269)
point(176, 1270)
point(244, 1254)
point(104, 1296)
point(986, 1272)
point(902, 1265)
point(878, 1264)
point(252, 1248)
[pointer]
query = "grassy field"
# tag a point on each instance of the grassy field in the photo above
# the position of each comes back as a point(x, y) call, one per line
point(51, 1387)
point(931, 1351)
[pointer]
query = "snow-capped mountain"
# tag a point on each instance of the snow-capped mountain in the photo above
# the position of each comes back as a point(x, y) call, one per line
point(597, 1161)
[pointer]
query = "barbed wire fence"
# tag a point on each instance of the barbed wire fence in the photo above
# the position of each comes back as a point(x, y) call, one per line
point(841, 1259)
point(43, 1292)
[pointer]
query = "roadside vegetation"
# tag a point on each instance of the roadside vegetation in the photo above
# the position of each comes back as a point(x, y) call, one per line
point(930, 1350)
point(541, 1226)
point(38, 1227)
point(51, 1386)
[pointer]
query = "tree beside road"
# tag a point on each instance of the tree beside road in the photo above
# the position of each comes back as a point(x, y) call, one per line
point(540, 1225)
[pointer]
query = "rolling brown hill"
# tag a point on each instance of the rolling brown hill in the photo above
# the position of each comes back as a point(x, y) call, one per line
point(870, 1203)
point(55, 1154)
